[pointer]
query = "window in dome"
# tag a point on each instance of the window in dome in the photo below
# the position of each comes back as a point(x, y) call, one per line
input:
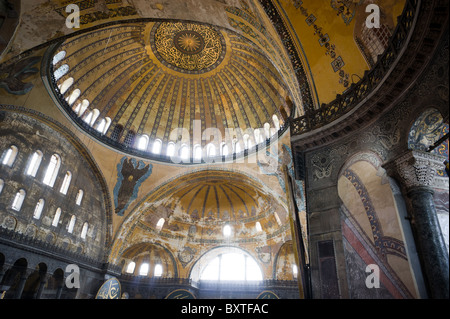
point(2, 184)
point(267, 133)
point(227, 230)
point(157, 146)
point(61, 71)
point(224, 148)
point(130, 268)
point(58, 57)
point(258, 227)
point(35, 162)
point(197, 153)
point(210, 150)
point(143, 270)
point(184, 152)
point(142, 142)
point(18, 200)
point(158, 270)
point(276, 121)
point(81, 107)
point(170, 149)
point(73, 96)
point(65, 85)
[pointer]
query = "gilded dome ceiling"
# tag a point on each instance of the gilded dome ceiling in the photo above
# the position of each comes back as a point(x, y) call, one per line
point(155, 78)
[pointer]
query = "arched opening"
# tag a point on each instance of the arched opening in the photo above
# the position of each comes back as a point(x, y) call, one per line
point(38, 209)
point(18, 200)
point(65, 85)
point(226, 264)
point(142, 142)
point(52, 170)
point(9, 156)
point(35, 162)
point(66, 183)
point(14, 279)
point(157, 146)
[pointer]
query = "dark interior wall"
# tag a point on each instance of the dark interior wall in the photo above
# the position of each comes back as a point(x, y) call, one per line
point(29, 135)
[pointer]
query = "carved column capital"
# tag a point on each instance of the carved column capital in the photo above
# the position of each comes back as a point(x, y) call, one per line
point(415, 168)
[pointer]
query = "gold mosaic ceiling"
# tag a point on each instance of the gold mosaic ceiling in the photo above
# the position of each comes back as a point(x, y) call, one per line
point(154, 77)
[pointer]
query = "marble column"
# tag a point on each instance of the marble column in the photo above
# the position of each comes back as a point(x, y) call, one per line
point(416, 171)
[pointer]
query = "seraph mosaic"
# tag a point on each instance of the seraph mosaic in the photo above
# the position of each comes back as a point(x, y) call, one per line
point(130, 175)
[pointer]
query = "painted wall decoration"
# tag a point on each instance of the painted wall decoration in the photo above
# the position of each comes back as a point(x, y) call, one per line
point(109, 290)
point(372, 233)
point(267, 294)
point(12, 76)
point(130, 175)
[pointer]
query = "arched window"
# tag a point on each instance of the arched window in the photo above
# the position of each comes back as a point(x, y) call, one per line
point(71, 224)
point(237, 146)
point(95, 114)
point(79, 197)
point(18, 200)
point(160, 224)
point(157, 145)
point(143, 270)
point(88, 117)
point(184, 152)
point(170, 149)
point(130, 268)
point(65, 85)
point(81, 107)
point(84, 230)
point(224, 149)
point(258, 227)
point(258, 137)
point(104, 125)
point(294, 271)
point(158, 270)
point(38, 209)
point(66, 183)
point(229, 264)
point(56, 217)
point(197, 152)
point(61, 71)
point(52, 170)
point(58, 57)
point(245, 138)
point(267, 132)
point(210, 150)
point(2, 183)
point(276, 122)
point(35, 162)
point(73, 96)
point(10, 155)
point(227, 230)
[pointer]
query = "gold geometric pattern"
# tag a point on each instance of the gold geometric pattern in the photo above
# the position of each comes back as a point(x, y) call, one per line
point(191, 47)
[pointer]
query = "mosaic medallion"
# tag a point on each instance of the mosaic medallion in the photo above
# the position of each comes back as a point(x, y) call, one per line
point(187, 47)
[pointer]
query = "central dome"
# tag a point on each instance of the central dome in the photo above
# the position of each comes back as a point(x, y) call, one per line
point(187, 47)
point(145, 88)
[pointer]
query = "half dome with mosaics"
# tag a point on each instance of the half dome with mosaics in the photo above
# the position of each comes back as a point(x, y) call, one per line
point(132, 85)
